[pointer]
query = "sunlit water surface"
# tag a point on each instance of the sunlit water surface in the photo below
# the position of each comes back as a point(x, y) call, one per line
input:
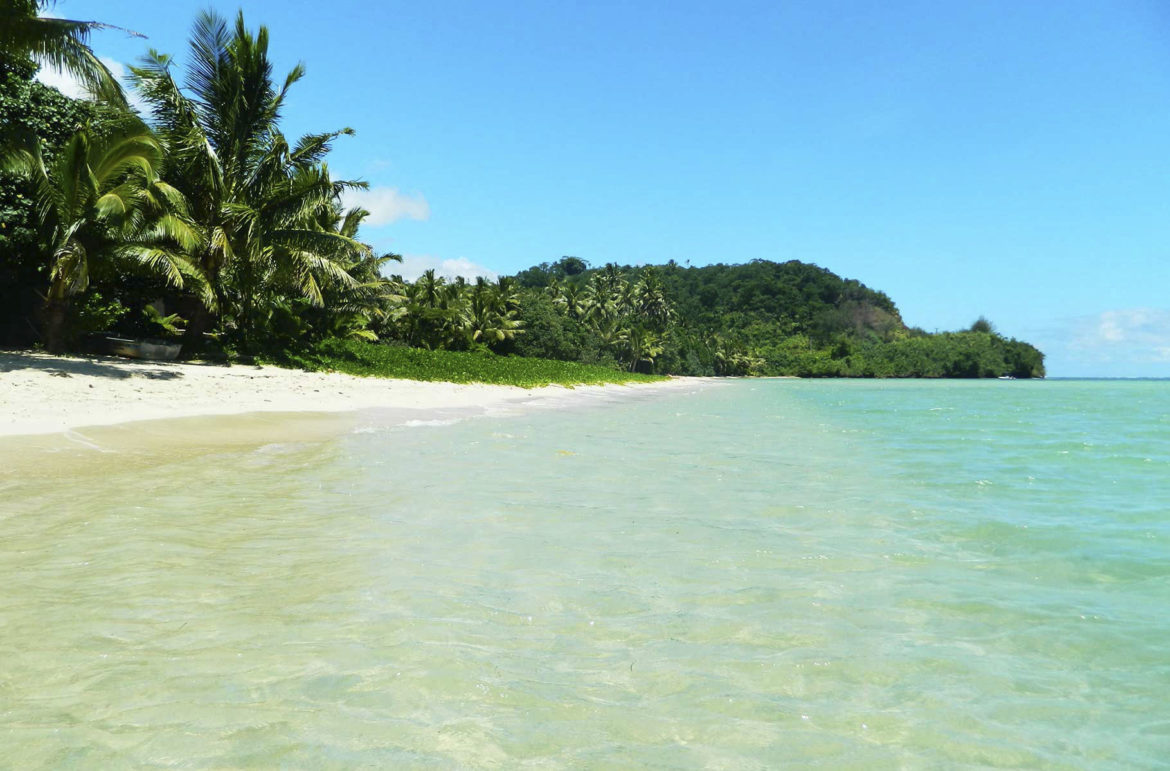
point(758, 573)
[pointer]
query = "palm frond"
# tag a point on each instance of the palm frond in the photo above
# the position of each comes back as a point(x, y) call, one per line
point(311, 149)
point(61, 44)
point(112, 207)
point(316, 242)
point(73, 176)
point(177, 230)
point(24, 159)
point(352, 222)
point(139, 154)
point(158, 259)
point(70, 272)
point(208, 59)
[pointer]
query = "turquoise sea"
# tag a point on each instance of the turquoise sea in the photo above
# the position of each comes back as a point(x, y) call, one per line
point(750, 574)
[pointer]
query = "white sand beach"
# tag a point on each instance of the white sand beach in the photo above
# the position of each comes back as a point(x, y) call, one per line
point(42, 394)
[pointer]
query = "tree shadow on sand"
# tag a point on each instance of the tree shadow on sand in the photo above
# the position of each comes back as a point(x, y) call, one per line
point(89, 366)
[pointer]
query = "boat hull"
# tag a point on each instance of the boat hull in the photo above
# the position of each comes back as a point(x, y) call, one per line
point(141, 349)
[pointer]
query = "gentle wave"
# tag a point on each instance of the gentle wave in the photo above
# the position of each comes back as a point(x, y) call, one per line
point(432, 422)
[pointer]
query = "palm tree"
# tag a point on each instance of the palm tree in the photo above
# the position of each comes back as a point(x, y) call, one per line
point(257, 200)
point(507, 294)
point(355, 310)
point(732, 357)
point(101, 200)
point(602, 299)
point(641, 344)
point(429, 289)
point(490, 316)
point(59, 43)
point(570, 298)
point(433, 311)
point(650, 303)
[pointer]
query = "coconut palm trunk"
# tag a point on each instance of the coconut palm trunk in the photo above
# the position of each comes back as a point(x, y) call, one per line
point(56, 312)
point(198, 322)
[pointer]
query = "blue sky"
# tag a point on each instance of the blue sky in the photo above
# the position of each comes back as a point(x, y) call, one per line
point(1009, 159)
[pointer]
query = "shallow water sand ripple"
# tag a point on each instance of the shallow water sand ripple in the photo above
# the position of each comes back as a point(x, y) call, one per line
point(861, 574)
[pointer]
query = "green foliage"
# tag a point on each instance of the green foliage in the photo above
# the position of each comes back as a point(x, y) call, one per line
point(355, 357)
point(614, 312)
point(267, 227)
point(99, 205)
point(762, 318)
point(550, 334)
point(547, 273)
point(29, 112)
point(796, 296)
point(96, 313)
point(982, 325)
point(170, 325)
point(435, 313)
point(948, 355)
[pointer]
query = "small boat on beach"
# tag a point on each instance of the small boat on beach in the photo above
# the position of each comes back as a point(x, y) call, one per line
point(151, 350)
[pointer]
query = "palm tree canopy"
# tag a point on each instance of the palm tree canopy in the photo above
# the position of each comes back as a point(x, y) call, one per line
point(62, 44)
point(267, 209)
point(102, 197)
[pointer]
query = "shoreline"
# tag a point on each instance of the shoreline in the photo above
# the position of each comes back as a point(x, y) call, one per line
point(43, 395)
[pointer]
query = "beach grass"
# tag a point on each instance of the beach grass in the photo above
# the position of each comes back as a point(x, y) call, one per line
point(355, 357)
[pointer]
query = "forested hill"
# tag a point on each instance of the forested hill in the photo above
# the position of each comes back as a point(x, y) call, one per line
point(799, 296)
point(763, 317)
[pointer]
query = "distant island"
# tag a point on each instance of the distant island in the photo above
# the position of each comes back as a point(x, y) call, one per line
point(198, 223)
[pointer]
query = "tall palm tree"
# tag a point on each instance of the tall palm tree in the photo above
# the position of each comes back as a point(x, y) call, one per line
point(650, 303)
point(59, 43)
point(490, 315)
point(257, 199)
point(572, 299)
point(428, 289)
point(101, 200)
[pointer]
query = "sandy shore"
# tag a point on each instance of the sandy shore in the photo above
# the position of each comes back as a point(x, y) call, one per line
point(42, 394)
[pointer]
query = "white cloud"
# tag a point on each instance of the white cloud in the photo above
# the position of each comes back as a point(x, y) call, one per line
point(1135, 334)
point(72, 88)
point(63, 82)
point(413, 266)
point(387, 204)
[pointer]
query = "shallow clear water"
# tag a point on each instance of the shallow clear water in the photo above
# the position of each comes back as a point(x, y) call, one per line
point(760, 573)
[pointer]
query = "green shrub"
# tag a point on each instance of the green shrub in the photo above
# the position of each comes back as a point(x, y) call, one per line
point(356, 357)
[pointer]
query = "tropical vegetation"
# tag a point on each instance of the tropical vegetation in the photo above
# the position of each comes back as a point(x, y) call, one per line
point(200, 221)
point(761, 318)
point(357, 357)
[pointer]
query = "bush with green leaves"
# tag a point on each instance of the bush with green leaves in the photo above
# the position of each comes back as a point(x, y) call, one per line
point(356, 357)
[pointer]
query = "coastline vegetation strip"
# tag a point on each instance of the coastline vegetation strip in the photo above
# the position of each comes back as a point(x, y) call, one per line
point(355, 357)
